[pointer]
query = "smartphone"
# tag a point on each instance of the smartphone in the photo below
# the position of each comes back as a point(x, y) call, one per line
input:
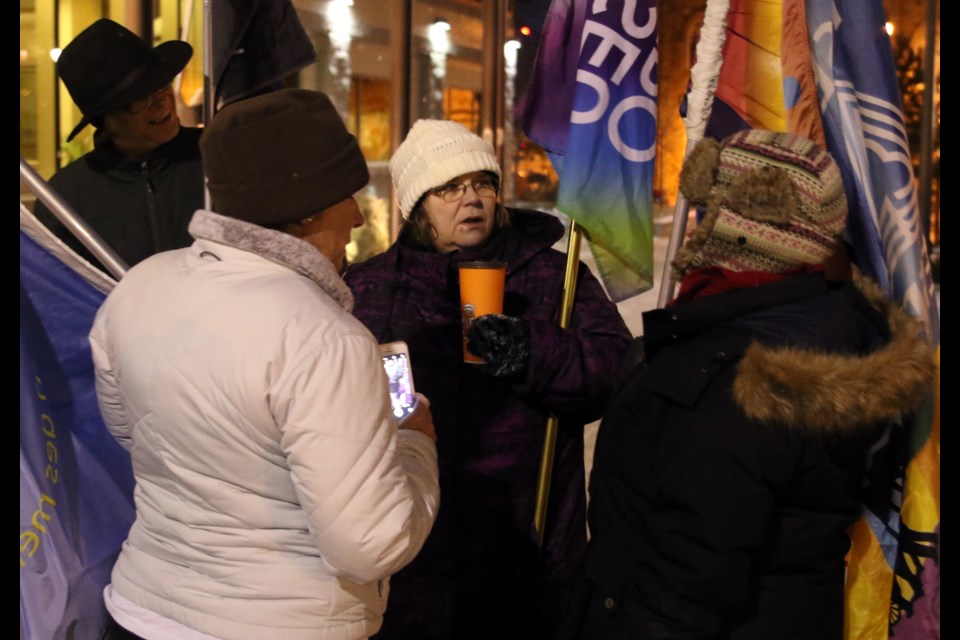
point(396, 363)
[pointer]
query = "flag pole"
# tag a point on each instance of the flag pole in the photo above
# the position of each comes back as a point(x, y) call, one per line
point(927, 121)
point(209, 90)
point(703, 84)
point(550, 437)
point(73, 222)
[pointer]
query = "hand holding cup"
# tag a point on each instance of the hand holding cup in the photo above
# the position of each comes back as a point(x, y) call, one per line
point(481, 293)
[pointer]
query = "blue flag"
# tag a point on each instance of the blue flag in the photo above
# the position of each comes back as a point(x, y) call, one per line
point(593, 105)
point(863, 123)
point(76, 485)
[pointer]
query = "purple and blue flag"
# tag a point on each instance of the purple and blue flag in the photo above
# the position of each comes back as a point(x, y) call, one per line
point(592, 104)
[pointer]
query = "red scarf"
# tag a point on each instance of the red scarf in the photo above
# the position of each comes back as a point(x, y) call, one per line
point(709, 281)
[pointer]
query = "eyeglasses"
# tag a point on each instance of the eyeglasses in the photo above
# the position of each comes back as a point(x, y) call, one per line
point(485, 187)
point(141, 105)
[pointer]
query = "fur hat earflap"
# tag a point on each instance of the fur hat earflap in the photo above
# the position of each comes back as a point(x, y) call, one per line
point(699, 172)
point(765, 194)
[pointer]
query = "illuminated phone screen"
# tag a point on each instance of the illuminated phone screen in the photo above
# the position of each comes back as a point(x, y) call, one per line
point(400, 382)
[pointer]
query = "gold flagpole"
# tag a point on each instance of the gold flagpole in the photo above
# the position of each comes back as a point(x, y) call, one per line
point(550, 437)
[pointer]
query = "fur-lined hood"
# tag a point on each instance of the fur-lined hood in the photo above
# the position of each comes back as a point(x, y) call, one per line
point(276, 246)
point(829, 393)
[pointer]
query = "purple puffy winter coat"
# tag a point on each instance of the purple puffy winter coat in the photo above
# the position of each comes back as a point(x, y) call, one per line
point(481, 573)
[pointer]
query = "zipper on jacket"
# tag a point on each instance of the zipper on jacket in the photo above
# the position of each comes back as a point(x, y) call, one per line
point(151, 205)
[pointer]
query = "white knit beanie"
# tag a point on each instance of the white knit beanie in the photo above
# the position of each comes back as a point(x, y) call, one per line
point(434, 152)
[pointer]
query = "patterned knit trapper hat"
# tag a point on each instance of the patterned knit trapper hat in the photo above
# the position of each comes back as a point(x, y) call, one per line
point(775, 201)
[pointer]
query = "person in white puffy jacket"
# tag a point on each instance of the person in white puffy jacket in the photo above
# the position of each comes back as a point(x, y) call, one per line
point(275, 493)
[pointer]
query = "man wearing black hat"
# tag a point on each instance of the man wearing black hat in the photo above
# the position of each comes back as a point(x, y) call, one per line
point(143, 180)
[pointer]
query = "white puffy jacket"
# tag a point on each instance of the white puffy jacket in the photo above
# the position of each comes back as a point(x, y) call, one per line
point(275, 494)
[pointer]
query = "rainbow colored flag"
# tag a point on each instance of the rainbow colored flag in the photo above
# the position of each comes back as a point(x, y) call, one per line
point(592, 104)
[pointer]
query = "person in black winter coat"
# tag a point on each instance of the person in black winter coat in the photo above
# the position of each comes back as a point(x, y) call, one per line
point(142, 182)
point(728, 464)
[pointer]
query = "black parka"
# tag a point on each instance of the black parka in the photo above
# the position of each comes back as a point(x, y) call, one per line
point(139, 207)
point(709, 518)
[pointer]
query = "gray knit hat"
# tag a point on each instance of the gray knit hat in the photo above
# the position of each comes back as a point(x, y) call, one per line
point(775, 201)
point(280, 157)
point(434, 152)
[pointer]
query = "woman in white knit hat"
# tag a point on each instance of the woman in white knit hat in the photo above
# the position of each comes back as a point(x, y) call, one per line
point(481, 573)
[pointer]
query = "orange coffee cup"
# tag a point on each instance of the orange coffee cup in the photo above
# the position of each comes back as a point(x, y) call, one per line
point(481, 292)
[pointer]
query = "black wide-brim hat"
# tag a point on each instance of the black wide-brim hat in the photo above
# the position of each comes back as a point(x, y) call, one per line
point(107, 66)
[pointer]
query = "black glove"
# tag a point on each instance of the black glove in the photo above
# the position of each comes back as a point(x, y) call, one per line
point(503, 341)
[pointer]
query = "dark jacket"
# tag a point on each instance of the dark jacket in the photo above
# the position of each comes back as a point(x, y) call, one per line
point(481, 573)
point(138, 207)
point(728, 465)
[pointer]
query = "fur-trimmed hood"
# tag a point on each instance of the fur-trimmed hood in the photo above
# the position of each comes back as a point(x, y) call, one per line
point(829, 393)
point(276, 246)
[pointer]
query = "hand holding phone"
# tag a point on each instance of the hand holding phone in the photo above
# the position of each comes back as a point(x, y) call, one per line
point(421, 419)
